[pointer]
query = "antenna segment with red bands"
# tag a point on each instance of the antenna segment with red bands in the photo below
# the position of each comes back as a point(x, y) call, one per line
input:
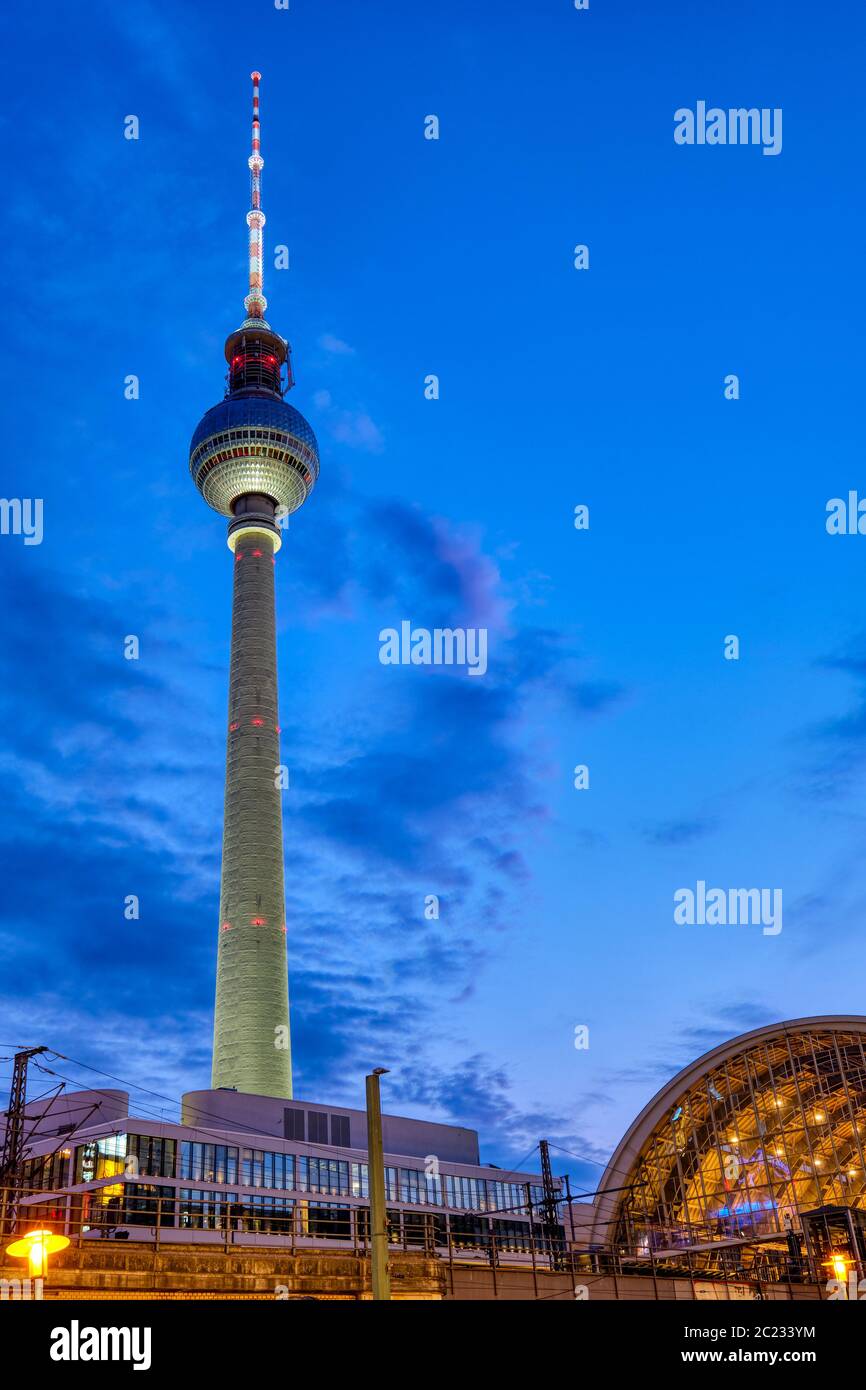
point(255, 302)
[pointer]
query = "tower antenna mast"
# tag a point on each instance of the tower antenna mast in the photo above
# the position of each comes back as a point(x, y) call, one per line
point(255, 302)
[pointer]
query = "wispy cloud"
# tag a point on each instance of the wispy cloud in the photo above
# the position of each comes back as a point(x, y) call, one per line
point(354, 428)
point(680, 832)
point(335, 345)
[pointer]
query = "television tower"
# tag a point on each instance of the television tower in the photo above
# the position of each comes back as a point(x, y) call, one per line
point(254, 459)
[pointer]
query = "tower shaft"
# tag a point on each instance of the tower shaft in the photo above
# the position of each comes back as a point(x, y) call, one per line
point(251, 1023)
point(253, 457)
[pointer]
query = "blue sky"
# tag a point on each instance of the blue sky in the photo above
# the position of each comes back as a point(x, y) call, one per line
point(558, 387)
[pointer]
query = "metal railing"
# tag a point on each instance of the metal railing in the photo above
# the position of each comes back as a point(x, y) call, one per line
point(162, 1216)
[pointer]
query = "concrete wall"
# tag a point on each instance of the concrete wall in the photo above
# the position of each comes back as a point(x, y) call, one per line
point(254, 1114)
point(98, 1270)
point(81, 1109)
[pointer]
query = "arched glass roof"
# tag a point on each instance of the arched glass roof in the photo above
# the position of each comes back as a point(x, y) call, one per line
point(742, 1142)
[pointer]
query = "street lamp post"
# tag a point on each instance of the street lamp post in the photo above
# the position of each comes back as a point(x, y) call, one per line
point(376, 1169)
point(35, 1247)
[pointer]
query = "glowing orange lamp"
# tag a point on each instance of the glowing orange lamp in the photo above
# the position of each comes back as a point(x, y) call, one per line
point(839, 1265)
point(36, 1246)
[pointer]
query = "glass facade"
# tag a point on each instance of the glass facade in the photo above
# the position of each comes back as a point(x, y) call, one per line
point(198, 1164)
point(264, 1169)
point(327, 1175)
point(45, 1172)
point(477, 1194)
point(327, 1220)
point(413, 1187)
point(765, 1135)
point(510, 1196)
point(204, 1211)
point(208, 1162)
point(268, 1215)
point(139, 1204)
point(150, 1156)
point(101, 1158)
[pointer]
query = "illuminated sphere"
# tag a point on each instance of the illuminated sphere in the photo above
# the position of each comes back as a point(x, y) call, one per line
point(254, 444)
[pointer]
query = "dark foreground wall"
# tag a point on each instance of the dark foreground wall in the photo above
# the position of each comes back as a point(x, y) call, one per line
point(113, 1270)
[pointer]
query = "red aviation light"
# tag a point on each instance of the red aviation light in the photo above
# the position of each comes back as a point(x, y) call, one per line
point(258, 722)
point(239, 555)
point(283, 930)
point(255, 367)
point(258, 921)
point(233, 728)
point(227, 926)
point(257, 554)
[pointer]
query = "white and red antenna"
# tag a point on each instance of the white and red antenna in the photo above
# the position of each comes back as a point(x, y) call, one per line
point(255, 302)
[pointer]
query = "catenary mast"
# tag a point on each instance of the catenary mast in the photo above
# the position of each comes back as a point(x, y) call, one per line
point(254, 458)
